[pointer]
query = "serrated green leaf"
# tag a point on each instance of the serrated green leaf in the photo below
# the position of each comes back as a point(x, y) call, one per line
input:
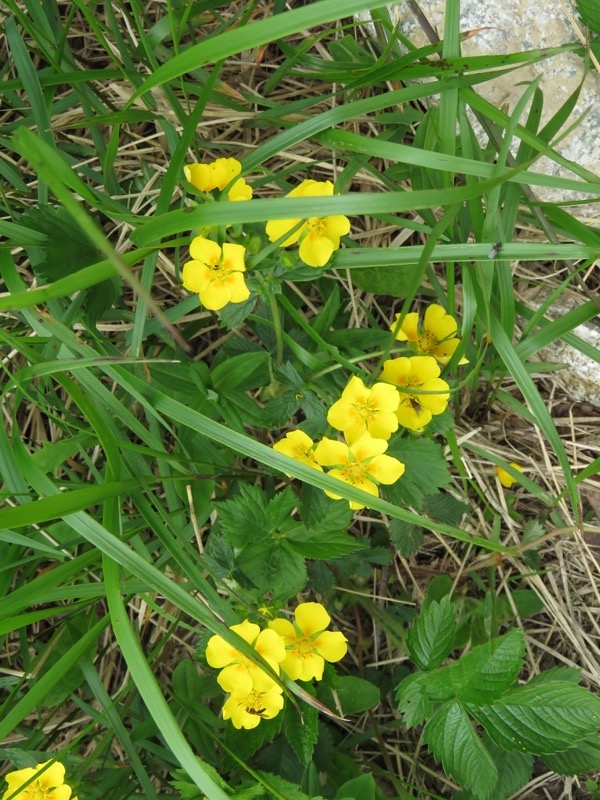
point(274, 568)
point(412, 699)
point(453, 742)
point(482, 675)
point(569, 674)
point(542, 719)
point(312, 544)
point(429, 639)
point(578, 760)
point(289, 790)
point(426, 471)
point(66, 248)
point(280, 509)
point(234, 314)
point(244, 518)
point(405, 537)
point(443, 507)
point(302, 732)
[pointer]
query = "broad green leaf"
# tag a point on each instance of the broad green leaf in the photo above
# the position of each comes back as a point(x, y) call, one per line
point(361, 788)
point(514, 769)
point(542, 719)
point(578, 760)
point(302, 731)
point(243, 519)
point(356, 694)
point(274, 568)
point(452, 739)
point(430, 638)
point(245, 371)
point(394, 282)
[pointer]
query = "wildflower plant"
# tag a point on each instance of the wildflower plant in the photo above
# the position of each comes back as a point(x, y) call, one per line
point(178, 469)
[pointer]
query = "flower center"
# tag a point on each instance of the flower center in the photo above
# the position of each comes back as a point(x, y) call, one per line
point(427, 343)
point(365, 411)
point(316, 224)
point(254, 704)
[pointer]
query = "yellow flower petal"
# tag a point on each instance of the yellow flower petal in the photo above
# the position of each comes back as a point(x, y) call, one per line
point(332, 645)
point(270, 645)
point(285, 629)
point(436, 403)
point(224, 170)
point(200, 176)
point(311, 618)
point(240, 191)
point(336, 226)
point(506, 479)
point(409, 329)
point(396, 371)
point(329, 452)
point(276, 228)
point(366, 447)
point(385, 469)
point(196, 276)
point(415, 419)
point(439, 322)
point(384, 397)
point(315, 250)
point(205, 250)
point(423, 368)
point(233, 256)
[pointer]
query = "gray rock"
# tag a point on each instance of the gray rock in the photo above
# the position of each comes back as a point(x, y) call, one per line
point(503, 28)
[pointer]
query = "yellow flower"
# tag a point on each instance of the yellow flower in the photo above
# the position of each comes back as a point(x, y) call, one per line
point(247, 710)
point(318, 236)
point(506, 479)
point(240, 675)
point(421, 373)
point(217, 175)
point(361, 409)
point(215, 273)
point(308, 645)
point(359, 464)
point(436, 338)
point(49, 785)
point(299, 446)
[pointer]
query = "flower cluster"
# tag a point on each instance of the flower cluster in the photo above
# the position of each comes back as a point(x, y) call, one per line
point(298, 649)
point(216, 271)
point(31, 784)
point(409, 393)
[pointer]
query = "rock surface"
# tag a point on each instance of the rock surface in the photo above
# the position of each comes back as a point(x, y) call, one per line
point(515, 27)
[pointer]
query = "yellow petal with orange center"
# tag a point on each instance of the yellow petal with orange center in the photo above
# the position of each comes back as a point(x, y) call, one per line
point(336, 226)
point(439, 322)
point(396, 371)
point(205, 250)
point(409, 329)
point(285, 629)
point(233, 256)
point(422, 369)
point(311, 618)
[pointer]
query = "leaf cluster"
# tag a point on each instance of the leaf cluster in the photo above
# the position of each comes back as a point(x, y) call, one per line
point(550, 716)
